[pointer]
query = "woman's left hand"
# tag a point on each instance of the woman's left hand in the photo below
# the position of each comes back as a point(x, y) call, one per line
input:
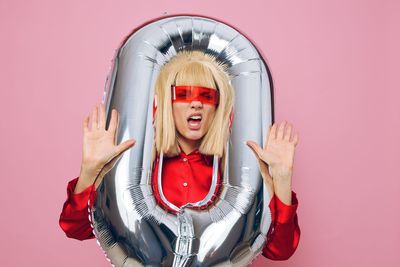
point(278, 154)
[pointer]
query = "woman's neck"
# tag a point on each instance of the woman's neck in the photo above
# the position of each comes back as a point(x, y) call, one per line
point(188, 146)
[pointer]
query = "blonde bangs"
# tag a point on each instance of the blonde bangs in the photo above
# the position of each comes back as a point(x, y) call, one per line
point(196, 74)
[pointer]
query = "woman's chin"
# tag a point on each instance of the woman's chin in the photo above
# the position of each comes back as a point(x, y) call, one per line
point(193, 135)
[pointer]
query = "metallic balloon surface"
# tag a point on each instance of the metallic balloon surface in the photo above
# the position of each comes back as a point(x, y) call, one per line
point(130, 226)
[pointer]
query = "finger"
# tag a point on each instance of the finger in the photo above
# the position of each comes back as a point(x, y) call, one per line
point(281, 129)
point(261, 163)
point(113, 121)
point(94, 118)
point(102, 117)
point(267, 136)
point(272, 133)
point(125, 146)
point(288, 132)
point(296, 139)
point(256, 148)
point(86, 124)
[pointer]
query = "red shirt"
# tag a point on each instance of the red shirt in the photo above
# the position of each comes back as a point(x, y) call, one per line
point(187, 178)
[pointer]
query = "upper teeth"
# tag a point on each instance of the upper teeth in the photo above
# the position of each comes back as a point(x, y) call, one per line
point(195, 117)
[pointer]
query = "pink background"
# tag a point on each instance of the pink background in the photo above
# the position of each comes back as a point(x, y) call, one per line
point(335, 69)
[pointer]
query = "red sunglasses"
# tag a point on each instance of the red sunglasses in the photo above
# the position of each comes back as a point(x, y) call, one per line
point(189, 93)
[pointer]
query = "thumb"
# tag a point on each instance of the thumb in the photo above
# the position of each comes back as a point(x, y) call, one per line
point(261, 163)
point(125, 146)
point(255, 148)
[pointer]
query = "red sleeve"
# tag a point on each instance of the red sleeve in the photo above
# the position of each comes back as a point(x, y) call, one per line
point(284, 233)
point(74, 218)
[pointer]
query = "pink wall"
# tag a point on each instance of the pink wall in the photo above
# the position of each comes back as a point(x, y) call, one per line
point(335, 68)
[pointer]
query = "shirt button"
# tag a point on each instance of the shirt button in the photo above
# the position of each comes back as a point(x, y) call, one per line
point(184, 184)
point(184, 159)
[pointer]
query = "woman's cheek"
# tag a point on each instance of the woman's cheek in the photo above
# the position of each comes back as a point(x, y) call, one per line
point(182, 125)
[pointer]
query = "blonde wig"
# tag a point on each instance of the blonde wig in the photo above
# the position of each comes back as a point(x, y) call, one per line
point(198, 69)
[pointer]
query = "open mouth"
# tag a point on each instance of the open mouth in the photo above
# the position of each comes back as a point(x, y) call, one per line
point(194, 121)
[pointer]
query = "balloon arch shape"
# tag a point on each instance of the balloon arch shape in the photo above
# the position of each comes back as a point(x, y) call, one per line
point(131, 228)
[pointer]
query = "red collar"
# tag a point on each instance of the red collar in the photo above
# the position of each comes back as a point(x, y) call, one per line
point(196, 155)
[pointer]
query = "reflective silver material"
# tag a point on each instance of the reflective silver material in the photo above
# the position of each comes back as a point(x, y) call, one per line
point(130, 227)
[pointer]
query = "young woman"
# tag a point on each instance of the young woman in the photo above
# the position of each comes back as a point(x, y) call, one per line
point(193, 103)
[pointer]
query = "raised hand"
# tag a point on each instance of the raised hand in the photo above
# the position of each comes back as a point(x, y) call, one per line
point(278, 154)
point(100, 151)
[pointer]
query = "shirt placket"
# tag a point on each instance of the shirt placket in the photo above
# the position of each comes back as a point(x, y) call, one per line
point(186, 178)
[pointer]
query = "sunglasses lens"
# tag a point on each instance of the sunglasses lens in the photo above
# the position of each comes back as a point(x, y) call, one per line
point(187, 94)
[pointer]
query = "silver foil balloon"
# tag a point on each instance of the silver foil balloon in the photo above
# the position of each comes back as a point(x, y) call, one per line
point(130, 226)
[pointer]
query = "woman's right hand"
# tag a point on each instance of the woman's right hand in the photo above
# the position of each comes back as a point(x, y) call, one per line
point(100, 152)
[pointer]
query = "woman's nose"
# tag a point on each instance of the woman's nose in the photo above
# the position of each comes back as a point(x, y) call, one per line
point(196, 104)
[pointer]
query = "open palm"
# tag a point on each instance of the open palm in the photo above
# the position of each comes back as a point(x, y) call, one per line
point(277, 153)
point(100, 150)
